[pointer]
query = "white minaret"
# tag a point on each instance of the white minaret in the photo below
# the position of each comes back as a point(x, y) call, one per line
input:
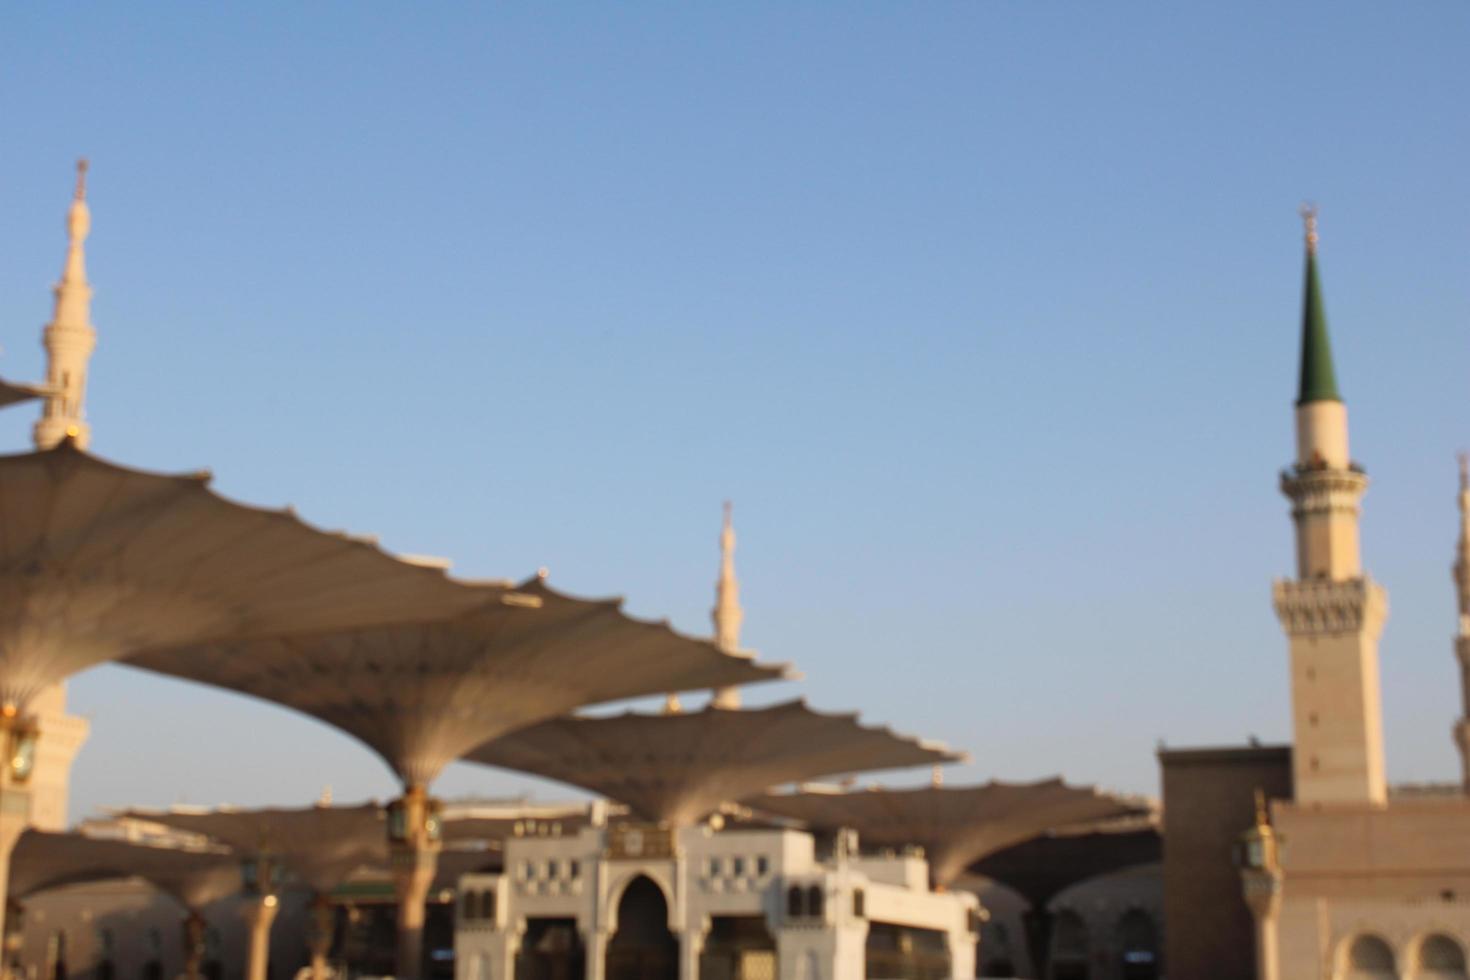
point(69, 337)
point(1332, 613)
point(1462, 641)
point(727, 613)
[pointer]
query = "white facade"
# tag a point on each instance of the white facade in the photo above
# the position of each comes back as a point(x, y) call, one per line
point(741, 905)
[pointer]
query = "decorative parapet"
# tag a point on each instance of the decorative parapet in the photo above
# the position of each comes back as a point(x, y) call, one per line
point(1323, 491)
point(1322, 608)
point(639, 841)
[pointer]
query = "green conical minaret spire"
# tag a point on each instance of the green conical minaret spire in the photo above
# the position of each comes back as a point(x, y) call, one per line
point(1319, 380)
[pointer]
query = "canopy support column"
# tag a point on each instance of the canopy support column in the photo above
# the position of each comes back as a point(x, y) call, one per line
point(260, 913)
point(194, 931)
point(18, 739)
point(319, 941)
point(1038, 923)
point(413, 836)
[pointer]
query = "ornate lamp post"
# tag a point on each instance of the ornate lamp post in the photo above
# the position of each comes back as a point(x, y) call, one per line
point(1259, 858)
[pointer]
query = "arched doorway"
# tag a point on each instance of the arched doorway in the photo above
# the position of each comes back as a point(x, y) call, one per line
point(1138, 945)
point(1069, 947)
point(551, 949)
point(1370, 958)
point(1440, 958)
point(643, 948)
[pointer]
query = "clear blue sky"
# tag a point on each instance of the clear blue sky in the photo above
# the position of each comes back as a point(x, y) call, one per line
point(983, 313)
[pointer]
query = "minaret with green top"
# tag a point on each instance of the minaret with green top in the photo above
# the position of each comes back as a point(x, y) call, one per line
point(1331, 611)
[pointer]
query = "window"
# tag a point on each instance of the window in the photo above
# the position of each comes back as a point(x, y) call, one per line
point(859, 903)
point(762, 866)
point(1441, 956)
point(468, 907)
point(814, 898)
point(1370, 958)
point(574, 869)
point(795, 902)
point(738, 867)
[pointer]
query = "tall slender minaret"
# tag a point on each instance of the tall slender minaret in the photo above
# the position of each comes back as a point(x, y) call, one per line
point(1462, 641)
point(1332, 613)
point(727, 613)
point(69, 337)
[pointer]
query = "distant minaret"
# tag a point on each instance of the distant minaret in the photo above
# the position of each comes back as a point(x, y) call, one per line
point(1462, 641)
point(1332, 613)
point(69, 337)
point(727, 613)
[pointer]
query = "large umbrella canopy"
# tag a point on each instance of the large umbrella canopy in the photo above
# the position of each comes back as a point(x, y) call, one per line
point(12, 393)
point(424, 693)
point(44, 860)
point(955, 825)
point(98, 561)
point(1044, 866)
point(320, 845)
point(677, 767)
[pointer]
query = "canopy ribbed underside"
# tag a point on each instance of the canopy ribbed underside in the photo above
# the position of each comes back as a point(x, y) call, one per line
point(955, 825)
point(1043, 867)
point(12, 393)
point(43, 860)
point(98, 561)
point(676, 768)
point(425, 693)
point(320, 845)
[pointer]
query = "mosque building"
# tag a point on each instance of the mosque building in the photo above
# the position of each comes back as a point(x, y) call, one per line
point(1286, 862)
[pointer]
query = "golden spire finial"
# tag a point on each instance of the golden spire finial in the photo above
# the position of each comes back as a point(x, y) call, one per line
point(81, 192)
point(1308, 211)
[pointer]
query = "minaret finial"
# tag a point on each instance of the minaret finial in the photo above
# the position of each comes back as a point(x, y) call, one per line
point(69, 337)
point(727, 613)
point(1308, 211)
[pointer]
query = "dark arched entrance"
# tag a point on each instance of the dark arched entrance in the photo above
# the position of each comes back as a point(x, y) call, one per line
point(1139, 942)
point(643, 948)
point(1069, 946)
point(551, 949)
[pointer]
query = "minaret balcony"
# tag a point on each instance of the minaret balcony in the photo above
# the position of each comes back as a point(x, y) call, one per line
point(1316, 490)
point(1322, 607)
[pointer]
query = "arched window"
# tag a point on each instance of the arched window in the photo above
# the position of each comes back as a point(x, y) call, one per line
point(487, 904)
point(1370, 958)
point(1069, 947)
point(468, 907)
point(795, 902)
point(1138, 944)
point(814, 899)
point(1440, 958)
